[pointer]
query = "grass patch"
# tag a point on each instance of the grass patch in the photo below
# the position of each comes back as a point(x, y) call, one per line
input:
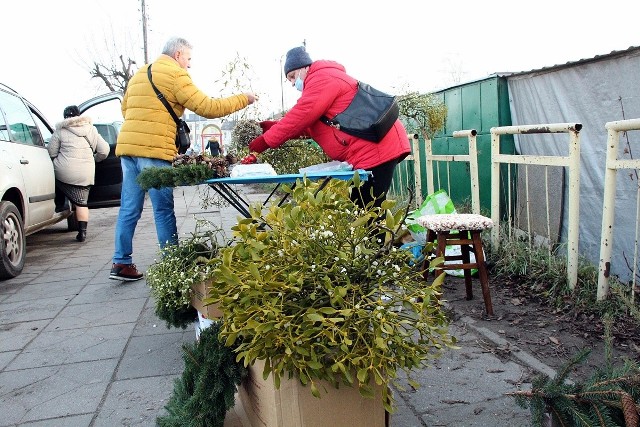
point(543, 272)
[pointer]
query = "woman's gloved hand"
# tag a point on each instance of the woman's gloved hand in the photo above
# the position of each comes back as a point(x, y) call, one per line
point(258, 145)
point(266, 125)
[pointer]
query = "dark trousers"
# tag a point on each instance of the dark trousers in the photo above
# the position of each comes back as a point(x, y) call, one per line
point(379, 181)
point(60, 198)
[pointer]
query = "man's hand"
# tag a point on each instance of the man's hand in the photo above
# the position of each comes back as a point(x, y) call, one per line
point(252, 97)
point(258, 145)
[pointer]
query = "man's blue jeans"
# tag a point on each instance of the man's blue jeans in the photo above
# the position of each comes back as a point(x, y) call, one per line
point(132, 202)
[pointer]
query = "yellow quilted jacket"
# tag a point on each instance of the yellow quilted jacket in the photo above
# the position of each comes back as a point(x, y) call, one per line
point(148, 129)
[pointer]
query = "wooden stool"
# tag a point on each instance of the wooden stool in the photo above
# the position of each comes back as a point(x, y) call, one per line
point(462, 230)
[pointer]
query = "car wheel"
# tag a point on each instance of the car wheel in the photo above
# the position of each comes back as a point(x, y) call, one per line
point(72, 221)
point(13, 240)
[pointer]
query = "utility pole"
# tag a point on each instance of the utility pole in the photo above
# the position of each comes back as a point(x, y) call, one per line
point(144, 32)
point(280, 74)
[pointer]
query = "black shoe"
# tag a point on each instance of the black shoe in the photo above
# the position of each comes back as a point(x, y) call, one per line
point(82, 231)
point(125, 272)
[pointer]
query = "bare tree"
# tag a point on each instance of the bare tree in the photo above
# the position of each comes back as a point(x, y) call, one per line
point(423, 112)
point(114, 78)
point(111, 61)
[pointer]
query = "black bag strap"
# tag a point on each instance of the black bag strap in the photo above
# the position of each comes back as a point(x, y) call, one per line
point(89, 142)
point(326, 121)
point(162, 98)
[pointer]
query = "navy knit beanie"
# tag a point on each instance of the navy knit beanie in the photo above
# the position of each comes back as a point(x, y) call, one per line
point(296, 58)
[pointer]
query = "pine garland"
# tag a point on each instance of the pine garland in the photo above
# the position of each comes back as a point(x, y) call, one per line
point(177, 318)
point(185, 170)
point(206, 390)
point(608, 398)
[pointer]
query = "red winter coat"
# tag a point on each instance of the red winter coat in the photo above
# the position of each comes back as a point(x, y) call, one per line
point(328, 90)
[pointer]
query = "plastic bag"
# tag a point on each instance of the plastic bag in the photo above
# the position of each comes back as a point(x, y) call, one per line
point(416, 250)
point(334, 166)
point(457, 251)
point(436, 203)
point(257, 169)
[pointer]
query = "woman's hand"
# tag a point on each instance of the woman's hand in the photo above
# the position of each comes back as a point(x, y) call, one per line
point(258, 145)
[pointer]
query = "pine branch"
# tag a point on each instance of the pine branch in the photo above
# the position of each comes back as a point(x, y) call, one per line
point(606, 399)
point(206, 390)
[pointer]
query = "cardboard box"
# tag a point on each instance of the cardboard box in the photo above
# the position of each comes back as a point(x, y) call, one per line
point(199, 292)
point(293, 405)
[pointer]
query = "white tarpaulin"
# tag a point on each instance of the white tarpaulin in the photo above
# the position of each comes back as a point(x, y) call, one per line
point(591, 92)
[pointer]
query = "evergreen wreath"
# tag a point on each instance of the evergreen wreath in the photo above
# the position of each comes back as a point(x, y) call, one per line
point(206, 390)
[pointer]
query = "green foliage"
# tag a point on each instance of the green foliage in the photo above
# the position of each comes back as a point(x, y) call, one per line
point(180, 317)
point(288, 158)
point(205, 391)
point(156, 177)
point(423, 113)
point(309, 289)
point(606, 399)
point(180, 266)
point(236, 78)
point(242, 134)
point(293, 155)
point(544, 273)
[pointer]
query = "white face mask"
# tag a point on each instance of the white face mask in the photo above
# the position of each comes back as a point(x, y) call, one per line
point(299, 84)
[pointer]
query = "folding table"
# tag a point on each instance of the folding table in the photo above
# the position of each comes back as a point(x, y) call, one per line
point(222, 186)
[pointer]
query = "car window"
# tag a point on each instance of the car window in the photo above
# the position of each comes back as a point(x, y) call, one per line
point(44, 129)
point(19, 125)
point(108, 131)
point(4, 129)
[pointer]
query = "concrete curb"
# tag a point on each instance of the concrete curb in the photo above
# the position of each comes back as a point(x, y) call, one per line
point(514, 351)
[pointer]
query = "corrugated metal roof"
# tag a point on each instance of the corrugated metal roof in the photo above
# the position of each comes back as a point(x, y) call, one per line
point(613, 54)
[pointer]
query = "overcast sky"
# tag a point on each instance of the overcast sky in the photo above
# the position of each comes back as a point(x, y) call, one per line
point(392, 45)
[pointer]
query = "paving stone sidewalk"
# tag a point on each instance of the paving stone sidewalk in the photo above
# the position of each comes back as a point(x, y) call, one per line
point(78, 349)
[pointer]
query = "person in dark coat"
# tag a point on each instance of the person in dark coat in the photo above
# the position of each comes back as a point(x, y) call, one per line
point(213, 146)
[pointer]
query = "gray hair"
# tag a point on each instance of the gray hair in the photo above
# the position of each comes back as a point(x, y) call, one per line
point(175, 44)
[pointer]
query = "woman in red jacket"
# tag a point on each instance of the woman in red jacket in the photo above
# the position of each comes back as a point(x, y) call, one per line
point(326, 91)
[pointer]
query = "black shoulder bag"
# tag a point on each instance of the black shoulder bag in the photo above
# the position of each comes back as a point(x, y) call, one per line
point(370, 115)
point(182, 130)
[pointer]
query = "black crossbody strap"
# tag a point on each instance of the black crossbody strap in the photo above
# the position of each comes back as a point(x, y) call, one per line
point(161, 97)
point(89, 142)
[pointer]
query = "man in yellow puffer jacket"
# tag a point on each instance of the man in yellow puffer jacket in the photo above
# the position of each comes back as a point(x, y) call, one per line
point(147, 139)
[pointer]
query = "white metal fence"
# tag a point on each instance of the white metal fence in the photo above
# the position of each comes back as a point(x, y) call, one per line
point(435, 160)
point(613, 165)
point(570, 162)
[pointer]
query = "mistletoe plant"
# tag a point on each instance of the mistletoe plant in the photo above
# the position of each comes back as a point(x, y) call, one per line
point(288, 158)
point(311, 290)
point(424, 113)
point(180, 266)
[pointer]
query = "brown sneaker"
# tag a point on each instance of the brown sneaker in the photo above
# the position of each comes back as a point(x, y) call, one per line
point(125, 272)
